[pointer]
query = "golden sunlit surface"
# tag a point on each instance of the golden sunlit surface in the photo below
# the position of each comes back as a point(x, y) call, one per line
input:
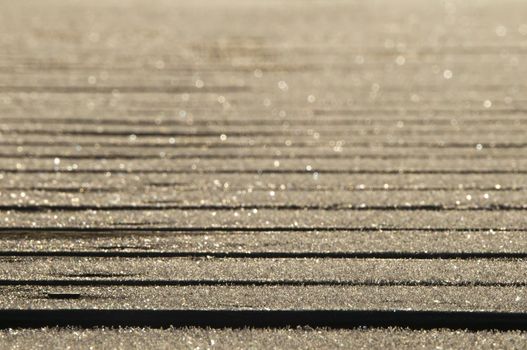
point(357, 169)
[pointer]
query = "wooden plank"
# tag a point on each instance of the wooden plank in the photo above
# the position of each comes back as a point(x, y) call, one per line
point(424, 244)
point(241, 339)
point(160, 198)
point(124, 182)
point(267, 219)
point(268, 272)
point(503, 299)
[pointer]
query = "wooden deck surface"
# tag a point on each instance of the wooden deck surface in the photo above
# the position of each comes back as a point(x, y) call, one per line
point(263, 164)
